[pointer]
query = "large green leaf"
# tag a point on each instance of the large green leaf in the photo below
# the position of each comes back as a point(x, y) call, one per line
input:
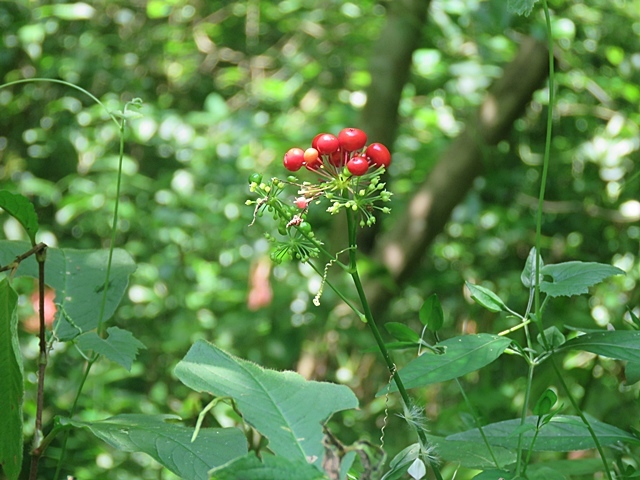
point(11, 384)
point(120, 346)
point(463, 355)
point(282, 406)
point(619, 344)
point(78, 279)
point(250, 467)
point(520, 7)
point(471, 454)
point(575, 278)
point(563, 433)
point(168, 443)
point(22, 210)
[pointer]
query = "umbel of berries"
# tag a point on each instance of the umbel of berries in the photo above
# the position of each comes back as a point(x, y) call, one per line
point(332, 155)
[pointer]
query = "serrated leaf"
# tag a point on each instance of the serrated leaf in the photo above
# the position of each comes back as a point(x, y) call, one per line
point(77, 276)
point(520, 7)
point(528, 276)
point(463, 355)
point(486, 298)
point(168, 443)
point(431, 313)
point(11, 384)
point(20, 208)
point(120, 346)
point(619, 344)
point(401, 332)
point(249, 467)
point(564, 433)
point(282, 406)
point(575, 278)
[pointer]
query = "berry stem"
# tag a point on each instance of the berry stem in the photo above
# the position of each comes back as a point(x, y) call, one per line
point(353, 271)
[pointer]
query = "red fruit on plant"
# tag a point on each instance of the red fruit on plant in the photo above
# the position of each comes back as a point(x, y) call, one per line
point(337, 158)
point(352, 139)
point(314, 142)
point(327, 143)
point(358, 165)
point(293, 159)
point(378, 154)
point(311, 159)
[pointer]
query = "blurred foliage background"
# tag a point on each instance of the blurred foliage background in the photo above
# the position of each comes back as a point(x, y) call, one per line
point(228, 87)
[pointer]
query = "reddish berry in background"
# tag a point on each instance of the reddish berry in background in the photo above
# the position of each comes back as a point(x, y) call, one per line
point(327, 144)
point(337, 158)
point(293, 159)
point(378, 154)
point(358, 165)
point(352, 139)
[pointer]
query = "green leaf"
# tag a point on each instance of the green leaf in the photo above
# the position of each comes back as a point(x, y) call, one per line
point(546, 473)
point(545, 403)
point(520, 7)
point(527, 276)
point(463, 355)
point(282, 406)
point(575, 278)
point(401, 332)
point(11, 384)
point(78, 277)
point(554, 337)
point(471, 454)
point(431, 313)
point(632, 373)
point(120, 346)
point(619, 344)
point(486, 298)
point(401, 462)
point(168, 443)
point(570, 468)
point(20, 208)
point(494, 474)
point(249, 467)
point(564, 433)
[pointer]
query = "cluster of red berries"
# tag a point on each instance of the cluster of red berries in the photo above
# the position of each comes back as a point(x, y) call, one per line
point(347, 149)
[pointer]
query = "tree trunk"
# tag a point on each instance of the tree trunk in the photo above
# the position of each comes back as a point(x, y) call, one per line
point(406, 244)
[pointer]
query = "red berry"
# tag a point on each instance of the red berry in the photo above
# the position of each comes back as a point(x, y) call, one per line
point(358, 165)
point(352, 139)
point(311, 159)
point(293, 159)
point(314, 142)
point(337, 158)
point(327, 143)
point(378, 154)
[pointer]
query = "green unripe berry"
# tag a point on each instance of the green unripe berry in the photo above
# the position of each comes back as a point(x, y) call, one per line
point(255, 178)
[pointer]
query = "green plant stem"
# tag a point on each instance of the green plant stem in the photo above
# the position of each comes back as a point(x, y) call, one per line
point(72, 412)
point(41, 256)
point(478, 424)
point(353, 271)
point(584, 419)
point(100, 328)
point(62, 82)
point(523, 417)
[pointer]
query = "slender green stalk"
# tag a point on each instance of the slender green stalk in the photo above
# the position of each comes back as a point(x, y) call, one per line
point(476, 417)
point(353, 271)
point(523, 417)
point(584, 419)
point(71, 85)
